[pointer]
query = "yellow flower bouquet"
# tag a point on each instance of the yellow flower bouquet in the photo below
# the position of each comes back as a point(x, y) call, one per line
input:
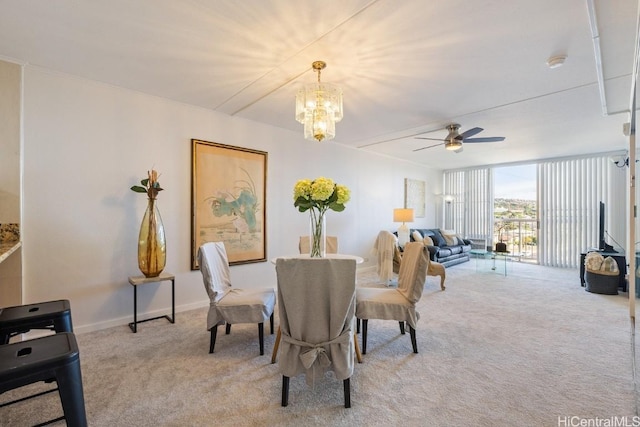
point(317, 197)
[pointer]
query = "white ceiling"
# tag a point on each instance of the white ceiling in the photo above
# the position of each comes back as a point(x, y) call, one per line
point(406, 67)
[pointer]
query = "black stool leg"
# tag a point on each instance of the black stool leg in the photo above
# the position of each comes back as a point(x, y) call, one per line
point(402, 328)
point(63, 324)
point(69, 379)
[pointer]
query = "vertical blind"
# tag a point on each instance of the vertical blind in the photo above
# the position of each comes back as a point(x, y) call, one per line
point(569, 194)
point(471, 211)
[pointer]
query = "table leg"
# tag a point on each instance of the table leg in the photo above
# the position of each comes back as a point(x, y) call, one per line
point(134, 325)
point(274, 354)
point(173, 301)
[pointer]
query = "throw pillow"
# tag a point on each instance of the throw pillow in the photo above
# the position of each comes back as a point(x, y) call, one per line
point(427, 241)
point(437, 238)
point(449, 237)
point(417, 237)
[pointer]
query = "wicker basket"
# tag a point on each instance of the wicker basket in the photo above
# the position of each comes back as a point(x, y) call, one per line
point(602, 283)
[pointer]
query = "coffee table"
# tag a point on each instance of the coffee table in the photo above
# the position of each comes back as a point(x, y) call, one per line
point(482, 256)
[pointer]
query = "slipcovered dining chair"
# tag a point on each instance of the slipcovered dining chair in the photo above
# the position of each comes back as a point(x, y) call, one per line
point(305, 247)
point(232, 305)
point(396, 304)
point(434, 268)
point(316, 303)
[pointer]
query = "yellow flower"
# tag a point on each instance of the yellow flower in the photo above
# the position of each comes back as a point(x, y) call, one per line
point(302, 189)
point(321, 194)
point(322, 188)
point(344, 194)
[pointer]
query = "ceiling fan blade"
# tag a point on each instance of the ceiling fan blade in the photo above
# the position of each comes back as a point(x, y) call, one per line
point(429, 146)
point(488, 139)
point(430, 139)
point(473, 131)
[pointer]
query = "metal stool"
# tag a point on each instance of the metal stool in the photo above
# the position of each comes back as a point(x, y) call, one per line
point(50, 315)
point(53, 357)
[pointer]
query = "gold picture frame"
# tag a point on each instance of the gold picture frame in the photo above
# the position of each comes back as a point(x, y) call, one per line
point(414, 196)
point(228, 201)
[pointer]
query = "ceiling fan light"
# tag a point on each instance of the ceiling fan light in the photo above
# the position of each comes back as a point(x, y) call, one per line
point(319, 107)
point(453, 144)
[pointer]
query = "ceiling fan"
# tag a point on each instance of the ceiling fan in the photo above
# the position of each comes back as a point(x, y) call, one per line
point(454, 140)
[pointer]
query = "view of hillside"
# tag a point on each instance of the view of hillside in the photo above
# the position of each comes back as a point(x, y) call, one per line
point(514, 208)
point(515, 224)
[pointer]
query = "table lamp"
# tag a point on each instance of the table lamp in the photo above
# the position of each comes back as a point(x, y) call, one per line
point(403, 216)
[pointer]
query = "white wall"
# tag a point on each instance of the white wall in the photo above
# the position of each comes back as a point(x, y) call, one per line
point(86, 143)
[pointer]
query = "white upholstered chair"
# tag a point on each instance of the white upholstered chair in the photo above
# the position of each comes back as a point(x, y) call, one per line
point(396, 304)
point(230, 305)
point(316, 303)
point(305, 247)
point(383, 248)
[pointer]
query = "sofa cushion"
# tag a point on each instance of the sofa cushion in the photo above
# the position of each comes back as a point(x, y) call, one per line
point(445, 251)
point(427, 241)
point(457, 249)
point(417, 237)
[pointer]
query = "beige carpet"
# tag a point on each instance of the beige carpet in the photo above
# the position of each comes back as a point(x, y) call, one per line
point(521, 350)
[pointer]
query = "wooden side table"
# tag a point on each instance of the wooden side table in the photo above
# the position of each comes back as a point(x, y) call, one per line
point(136, 281)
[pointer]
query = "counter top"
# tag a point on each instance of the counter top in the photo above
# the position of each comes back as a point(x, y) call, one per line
point(7, 248)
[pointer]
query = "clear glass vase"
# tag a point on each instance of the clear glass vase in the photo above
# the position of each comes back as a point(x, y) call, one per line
point(317, 234)
point(152, 247)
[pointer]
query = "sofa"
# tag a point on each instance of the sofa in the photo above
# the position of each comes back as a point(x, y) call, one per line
point(447, 249)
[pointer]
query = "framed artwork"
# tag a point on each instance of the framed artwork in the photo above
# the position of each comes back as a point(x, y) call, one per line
point(414, 196)
point(228, 201)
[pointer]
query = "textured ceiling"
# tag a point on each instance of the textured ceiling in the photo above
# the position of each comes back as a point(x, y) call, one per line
point(406, 68)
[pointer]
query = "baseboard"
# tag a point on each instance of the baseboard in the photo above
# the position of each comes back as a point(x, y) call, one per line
point(125, 320)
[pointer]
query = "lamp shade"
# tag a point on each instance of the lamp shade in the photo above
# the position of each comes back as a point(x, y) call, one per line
point(403, 215)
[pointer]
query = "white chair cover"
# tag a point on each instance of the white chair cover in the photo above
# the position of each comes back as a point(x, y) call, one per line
point(397, 304)
point(316, 300)
point(304, 245)
point(384, 248)
point(227, 304)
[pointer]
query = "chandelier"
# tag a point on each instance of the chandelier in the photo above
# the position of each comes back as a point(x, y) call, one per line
point(319, 107)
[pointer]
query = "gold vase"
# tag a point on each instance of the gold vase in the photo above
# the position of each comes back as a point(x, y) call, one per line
point(152, 248)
